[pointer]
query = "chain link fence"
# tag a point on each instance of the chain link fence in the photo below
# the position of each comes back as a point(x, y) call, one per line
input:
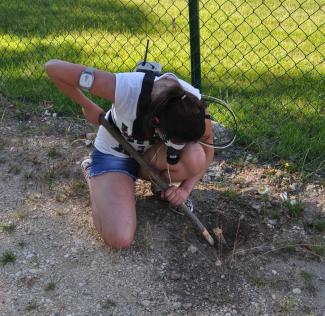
point(266, 59)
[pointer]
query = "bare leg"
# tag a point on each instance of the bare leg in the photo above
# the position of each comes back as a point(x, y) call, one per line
point(113, 208)
point(192, 162)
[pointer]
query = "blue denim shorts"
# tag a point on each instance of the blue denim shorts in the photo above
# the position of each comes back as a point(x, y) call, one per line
point(102, 163)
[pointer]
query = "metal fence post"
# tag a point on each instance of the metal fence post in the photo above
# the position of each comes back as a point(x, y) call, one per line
point(195, 43)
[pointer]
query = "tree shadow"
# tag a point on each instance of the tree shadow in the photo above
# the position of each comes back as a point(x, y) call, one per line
point(44, 17)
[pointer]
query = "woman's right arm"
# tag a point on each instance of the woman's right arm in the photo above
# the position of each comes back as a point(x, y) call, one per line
point(66, 76)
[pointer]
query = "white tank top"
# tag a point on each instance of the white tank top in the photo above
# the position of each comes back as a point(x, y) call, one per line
point(124, 110)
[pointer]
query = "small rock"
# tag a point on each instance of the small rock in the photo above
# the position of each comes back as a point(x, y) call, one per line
point(30, 255)
point(175, 276)
point(88, 142)
point(284, 196)
point(274, 272)
point(91, 136)
point(218, 263)
point(18, 274)
point(256, 207)
point(296, 291)
point(54, 115)
point(177, 305)
point(273, 297)
point(272, 222)
point(192, 249)
point(145, 303)
point(223, 276)
point(187, 305)
point(263, 189)
point(293, 187)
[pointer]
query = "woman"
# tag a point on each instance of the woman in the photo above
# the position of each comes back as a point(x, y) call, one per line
point(174, 116)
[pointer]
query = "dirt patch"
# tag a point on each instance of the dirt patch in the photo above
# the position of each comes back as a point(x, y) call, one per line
point(269, 221)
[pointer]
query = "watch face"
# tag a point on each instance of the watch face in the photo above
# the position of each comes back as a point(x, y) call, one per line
point(86, 80)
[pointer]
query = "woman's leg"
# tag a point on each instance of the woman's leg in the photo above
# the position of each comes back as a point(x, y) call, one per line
point(113, 208)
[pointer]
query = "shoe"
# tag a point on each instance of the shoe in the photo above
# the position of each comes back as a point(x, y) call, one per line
point(85, 167)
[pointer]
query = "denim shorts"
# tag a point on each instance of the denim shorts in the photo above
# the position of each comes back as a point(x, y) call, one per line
point(102, 163)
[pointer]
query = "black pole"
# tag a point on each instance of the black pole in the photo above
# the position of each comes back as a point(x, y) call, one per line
point(195, 43)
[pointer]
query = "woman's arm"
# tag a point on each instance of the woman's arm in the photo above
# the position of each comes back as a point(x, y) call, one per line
point(66, 76)
point(178, 195)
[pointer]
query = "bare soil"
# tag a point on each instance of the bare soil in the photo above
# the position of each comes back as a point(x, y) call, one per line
point(269, 261)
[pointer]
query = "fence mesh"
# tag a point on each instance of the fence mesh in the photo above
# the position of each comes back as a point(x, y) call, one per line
point(265, 58)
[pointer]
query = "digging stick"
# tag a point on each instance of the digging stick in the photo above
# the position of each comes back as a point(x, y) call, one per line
point(111, 128)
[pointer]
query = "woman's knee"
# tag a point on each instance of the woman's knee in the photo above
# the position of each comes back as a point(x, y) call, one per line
point(118, 239)
point(115, 232)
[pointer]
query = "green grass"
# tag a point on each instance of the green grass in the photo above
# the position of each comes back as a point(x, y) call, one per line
point(296, 209)
point(7, 257)
point(8, 228)
point(264, 58)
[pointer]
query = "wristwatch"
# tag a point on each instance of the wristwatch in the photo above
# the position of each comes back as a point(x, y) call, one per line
point(87, 78)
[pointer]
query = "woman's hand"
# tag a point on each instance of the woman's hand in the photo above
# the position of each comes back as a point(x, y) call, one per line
point(175, 195)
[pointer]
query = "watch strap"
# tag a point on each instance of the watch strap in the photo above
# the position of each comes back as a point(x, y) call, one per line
point(89, 70)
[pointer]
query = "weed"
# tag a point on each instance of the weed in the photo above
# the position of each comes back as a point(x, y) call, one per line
point(28, 174)
point(290, 249)
point(107, 303)
point(48, 176)
point(258, 281)
point(288, 305)
point(77, 187)
point(22, 244)
point(319, 250)
point(50, 286)
point(8, 228)
point(31, 306)
point(61, 197)
point(7, 257)
point(307, 276)
point(229, 194)
point(319, 224)
point(59, 213)
point(294, 209)
point(21, 214)
point(54, 153)
point(14, 168)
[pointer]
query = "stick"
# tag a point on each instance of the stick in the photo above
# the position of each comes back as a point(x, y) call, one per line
point(152, 172)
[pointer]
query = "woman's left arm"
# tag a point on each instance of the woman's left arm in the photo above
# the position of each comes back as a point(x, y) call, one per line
point(178, 195)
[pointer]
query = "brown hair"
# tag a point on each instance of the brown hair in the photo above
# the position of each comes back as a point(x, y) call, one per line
point(180, 114)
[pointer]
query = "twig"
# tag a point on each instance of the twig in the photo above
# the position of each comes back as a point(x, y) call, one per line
point(78, 140)
point(287, 246)
point(3, 114)
point(235, 243)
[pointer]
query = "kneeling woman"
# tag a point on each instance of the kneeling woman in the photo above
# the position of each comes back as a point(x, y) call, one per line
point(173, 114)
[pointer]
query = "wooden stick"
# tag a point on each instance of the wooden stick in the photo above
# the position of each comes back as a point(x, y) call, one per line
point(111, 128)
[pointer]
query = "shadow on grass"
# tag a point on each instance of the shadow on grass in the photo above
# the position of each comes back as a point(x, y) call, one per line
point(280, 117)
point(43, 17)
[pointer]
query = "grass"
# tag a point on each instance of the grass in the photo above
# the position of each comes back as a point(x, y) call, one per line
point(50, 286)
point(7, 257)
point(318, 224)
point(307, 276)
point(31, 306)
point(296, 209)
point(264, 58)
point(54, 153)
point(8, 228)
